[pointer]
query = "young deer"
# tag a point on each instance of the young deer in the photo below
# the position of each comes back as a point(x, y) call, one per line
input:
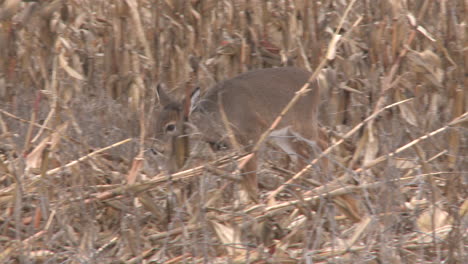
point(248, 104)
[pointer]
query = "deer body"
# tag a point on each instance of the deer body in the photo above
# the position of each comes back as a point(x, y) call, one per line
point(249, 103)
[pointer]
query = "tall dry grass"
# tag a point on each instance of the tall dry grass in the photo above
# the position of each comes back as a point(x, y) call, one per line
point(79, 185)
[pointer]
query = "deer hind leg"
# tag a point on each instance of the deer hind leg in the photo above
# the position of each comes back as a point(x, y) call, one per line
point(308, 147)
point(299, 148)
point(303, 150)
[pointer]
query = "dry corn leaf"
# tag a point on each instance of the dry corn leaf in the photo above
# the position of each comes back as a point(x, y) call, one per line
point(433, 218)
point(411, 19)
point(9, 9)
point(72, 72)
point(138, 26)
point(407, 110)
point(416, 203)
point(34, 159)
point(371, 147)
point(331, 52)
point(425, 33)
point(136, 166)
point(7, 252)
point(359, 231)
point(464, 208)
point(48, 8)
point(349, 206)
point(429, 63)
point(401, 163)
point(41, 255)
point(408, 114)
point(106, 43)
point(228, 236)
point(440, 233)
point(455, 135)
point(135, 96)
point(149, 204)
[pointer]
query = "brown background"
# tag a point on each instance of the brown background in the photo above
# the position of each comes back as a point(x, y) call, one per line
point(87, 70)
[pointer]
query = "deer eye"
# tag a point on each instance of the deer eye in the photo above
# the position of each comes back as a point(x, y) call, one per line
point(170, 128)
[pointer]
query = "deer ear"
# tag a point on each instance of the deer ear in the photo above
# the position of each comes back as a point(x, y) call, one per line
point(194, 99)
point(164, 99)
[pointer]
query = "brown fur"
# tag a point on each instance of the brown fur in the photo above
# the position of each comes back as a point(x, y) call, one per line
point(251, 102)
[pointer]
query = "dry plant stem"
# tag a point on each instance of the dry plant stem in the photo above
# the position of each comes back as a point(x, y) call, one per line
point(142, 127)
point(329, 149)
point(25, 243)
point(388, 79)
point(341, 191)
point(139, 159)
point(387, 83)
point(52, 90)
point(111, 242)
point(145, 186)
point(362, 226)
point(382, 158)
point(411, 171)
point(454, 137)
point(414, 142)
point(90, 155)
point(139, 29)
point(157, 180)
point(304, 89)
point(141, 257)
point(99, 42)
point(324, 254)
point(173, 232)
point(52, 171)
point(428, 135)
point(27, 140)
point(39, 126)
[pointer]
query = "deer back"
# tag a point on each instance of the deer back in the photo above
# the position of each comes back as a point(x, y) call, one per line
point(247, 104)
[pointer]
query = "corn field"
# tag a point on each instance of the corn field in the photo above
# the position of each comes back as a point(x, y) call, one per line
point(80, 180)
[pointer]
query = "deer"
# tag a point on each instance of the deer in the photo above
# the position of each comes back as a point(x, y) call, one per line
point(243, 107)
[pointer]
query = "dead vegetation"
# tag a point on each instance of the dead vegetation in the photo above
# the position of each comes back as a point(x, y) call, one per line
point(78, 183)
